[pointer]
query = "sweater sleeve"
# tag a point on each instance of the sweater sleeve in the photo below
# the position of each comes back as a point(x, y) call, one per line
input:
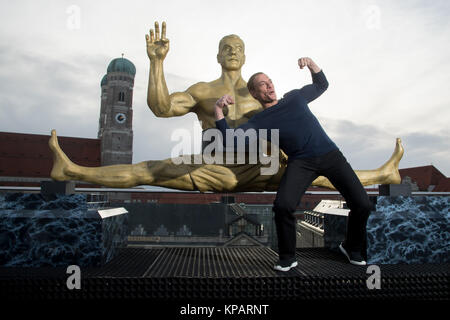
point(312, 91)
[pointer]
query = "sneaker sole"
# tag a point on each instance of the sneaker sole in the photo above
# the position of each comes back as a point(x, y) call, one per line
point(356, 263)
point(280, 268)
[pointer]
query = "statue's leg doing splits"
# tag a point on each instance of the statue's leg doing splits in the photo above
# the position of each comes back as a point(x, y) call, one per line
point(386, 174)
point(163, 173)
point(203, 177)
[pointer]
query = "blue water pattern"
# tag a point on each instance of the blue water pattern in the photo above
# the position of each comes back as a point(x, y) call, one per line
point(408, 230)
point(58, 230)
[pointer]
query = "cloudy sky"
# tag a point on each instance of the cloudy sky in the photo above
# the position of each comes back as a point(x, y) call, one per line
point(386, 62)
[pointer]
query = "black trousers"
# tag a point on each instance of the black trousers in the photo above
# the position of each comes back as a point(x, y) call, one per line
point(299, 175)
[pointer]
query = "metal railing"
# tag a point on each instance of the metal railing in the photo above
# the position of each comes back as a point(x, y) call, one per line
point(314, 218)
point(144, 190)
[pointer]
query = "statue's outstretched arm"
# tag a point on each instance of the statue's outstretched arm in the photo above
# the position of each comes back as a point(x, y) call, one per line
point(158, 99)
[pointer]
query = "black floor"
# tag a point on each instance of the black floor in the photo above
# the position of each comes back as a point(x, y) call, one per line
point(199, 274)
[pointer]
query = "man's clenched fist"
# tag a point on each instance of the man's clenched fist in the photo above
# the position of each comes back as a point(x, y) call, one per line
point(224, 101)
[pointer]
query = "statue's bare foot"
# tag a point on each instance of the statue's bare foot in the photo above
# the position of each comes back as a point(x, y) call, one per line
point(390, 169)
point(61, 163)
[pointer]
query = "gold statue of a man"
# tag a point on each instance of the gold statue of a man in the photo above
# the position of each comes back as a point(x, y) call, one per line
point(200, 98)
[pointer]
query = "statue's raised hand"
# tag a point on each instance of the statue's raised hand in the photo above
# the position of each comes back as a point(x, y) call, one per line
point(157, 46)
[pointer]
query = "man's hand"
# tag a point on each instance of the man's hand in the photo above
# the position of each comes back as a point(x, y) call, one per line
point(220, 104)
point(224, 101)
point(307, 62)
point(157, 47)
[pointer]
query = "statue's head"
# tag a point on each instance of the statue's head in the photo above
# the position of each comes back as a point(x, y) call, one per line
point(231, 54)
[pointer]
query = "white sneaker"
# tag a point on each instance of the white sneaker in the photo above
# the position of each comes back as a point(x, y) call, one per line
point(285, 265)
point(353, 257)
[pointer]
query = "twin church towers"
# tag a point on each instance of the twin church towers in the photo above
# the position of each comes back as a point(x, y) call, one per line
point(115, 129)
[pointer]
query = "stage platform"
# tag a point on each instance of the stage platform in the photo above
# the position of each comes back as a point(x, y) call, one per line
point(197, 274)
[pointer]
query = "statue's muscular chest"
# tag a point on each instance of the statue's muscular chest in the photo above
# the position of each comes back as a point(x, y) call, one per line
point(244, 108)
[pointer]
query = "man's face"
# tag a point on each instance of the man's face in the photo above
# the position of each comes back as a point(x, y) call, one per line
point(231, 54)
point(264, 90)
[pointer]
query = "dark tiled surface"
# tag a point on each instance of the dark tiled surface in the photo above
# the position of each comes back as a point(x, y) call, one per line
point(227, 273)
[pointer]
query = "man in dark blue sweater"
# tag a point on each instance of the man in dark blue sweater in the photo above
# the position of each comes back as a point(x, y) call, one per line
point(311, 153)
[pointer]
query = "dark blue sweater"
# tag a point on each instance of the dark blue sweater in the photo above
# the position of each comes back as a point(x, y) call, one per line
point(300, 133)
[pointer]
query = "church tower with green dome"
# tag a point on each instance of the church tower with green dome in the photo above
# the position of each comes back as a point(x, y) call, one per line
point(116, 113)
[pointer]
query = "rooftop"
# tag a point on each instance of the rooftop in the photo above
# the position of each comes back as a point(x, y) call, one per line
point(199, 274)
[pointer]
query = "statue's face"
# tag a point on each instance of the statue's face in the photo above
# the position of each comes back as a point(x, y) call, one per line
point(264, 90)
point(231, 53)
